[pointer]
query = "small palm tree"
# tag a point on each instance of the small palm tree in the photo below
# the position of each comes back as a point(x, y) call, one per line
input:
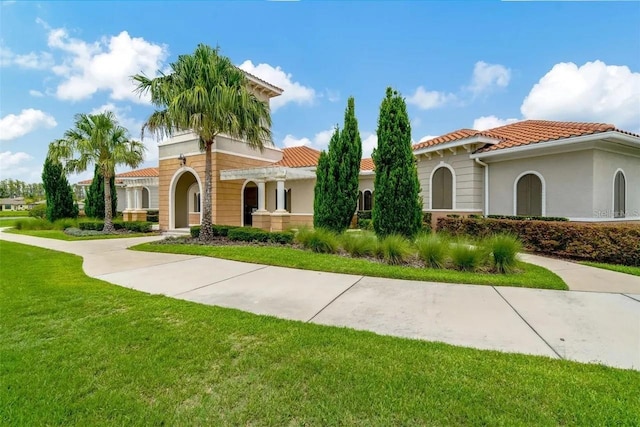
point(98, 139)
point(208, 95)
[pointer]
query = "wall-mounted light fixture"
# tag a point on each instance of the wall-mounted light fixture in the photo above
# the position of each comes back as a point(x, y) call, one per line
point(182, 159)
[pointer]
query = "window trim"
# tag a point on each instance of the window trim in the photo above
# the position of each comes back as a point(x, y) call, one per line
point(543, 191)
point(442, 164)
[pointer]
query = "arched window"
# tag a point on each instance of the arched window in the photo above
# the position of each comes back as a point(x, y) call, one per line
point(194, 198)
point(619, 195)
point(529, 195)
point(360, 201)
point(287, 200)
point(442, 189)
point(368, 200)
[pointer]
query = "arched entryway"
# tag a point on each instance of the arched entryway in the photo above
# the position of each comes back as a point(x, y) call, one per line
point(145, 198)
point(181, 206)
point(250, 202)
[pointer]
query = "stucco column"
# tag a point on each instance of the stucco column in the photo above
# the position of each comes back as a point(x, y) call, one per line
point(138, 198)
point(129, 198)
point(280, 194)
point(261, 203)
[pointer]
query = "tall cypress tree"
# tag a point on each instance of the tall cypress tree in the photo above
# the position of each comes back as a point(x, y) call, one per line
point(58, 192)
point(94, 202)
point(339, 174)
point(321, 197)
point(398, 208)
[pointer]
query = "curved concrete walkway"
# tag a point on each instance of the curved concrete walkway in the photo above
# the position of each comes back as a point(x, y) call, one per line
point(589, 327)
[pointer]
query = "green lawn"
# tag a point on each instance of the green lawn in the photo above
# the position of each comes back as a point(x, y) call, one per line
point(531, 277)
point(78, 351)
point(60, 235)
point(627, 269)
point(13, 214)
point(7, 222)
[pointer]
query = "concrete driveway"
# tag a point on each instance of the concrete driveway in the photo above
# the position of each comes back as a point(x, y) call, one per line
point(590, 327)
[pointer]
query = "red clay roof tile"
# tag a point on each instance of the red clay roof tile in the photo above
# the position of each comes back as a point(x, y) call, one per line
point(524, 133)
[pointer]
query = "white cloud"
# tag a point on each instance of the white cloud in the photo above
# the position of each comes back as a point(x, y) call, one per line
point(10, 164)
point(31, 60)
point(428, 137)
point(369, 142)
point(105, 65)
point(292, 91)
point(594, 92)
point(332, 95)
point(320, 140)
point(14, 126)
point(490, 122)
point(426, 100)
point(134, 127)
point(36, 93)
point(488, 76)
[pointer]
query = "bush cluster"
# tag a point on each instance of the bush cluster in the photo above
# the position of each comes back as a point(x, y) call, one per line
point(218, 230)
point(614, 244)
point(133, 226)
point(38, 211)
point(498, 253)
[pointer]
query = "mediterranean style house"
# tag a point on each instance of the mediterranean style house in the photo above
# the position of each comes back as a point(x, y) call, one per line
point(582, 171)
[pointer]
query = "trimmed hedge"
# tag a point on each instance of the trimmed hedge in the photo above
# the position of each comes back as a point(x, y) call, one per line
point(527, 218)
point(246, 234)
point(614, 244)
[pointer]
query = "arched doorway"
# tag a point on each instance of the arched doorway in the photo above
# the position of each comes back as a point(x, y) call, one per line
point(181, 205)
point(529, 195)
point(250, 200)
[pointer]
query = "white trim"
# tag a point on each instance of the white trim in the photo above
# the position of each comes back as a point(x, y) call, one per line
point(453, 185)
point(554, 143)
point(172, 189)
point(613, 194)
point(485, 208)
point(631, 218)
point(543, 195)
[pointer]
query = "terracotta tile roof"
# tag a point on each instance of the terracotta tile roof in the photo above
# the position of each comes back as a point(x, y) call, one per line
point(367, 164)
point(140, 173)
point(524, 133)
point(299, 157)
point(136, 173)
point(451, 136)
point(303, 156)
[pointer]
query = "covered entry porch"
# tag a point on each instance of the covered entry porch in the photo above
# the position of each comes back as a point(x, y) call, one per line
point(274, 198)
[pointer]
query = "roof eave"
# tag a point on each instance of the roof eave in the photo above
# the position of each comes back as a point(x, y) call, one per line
point(477, 139)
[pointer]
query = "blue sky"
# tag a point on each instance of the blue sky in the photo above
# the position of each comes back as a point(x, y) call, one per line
point(458, 64)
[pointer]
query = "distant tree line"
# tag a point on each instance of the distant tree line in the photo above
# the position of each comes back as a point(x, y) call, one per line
point(16, 188)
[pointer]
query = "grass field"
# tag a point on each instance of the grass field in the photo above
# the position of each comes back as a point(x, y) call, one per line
point(627, 269)
point(531, 277)
point(78, 351)
point(13, 214)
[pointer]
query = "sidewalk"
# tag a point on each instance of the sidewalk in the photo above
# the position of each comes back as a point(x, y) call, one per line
point(582, 326)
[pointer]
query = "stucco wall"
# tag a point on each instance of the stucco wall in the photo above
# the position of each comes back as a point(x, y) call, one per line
point(469, 180)
point(567, 186)
point(301, 195)
point(605, 165)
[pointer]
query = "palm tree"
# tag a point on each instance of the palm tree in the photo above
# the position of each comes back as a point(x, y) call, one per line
point(98, 139)
point(206, 94)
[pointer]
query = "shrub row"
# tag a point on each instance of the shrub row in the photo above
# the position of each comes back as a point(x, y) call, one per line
point(246, 234)
point(365, 222)
point(153, 215)
point(525, 218)
point(133, 226)
point(614, 244)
